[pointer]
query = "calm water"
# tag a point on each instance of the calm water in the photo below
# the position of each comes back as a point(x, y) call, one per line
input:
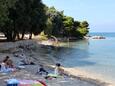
point(96, 56)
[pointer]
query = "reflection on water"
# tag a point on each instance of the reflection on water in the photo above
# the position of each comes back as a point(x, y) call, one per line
point(73, 56)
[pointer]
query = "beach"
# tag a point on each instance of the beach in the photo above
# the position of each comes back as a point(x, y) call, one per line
point(41, 54)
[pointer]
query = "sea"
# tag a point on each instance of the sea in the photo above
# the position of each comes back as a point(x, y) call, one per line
point(95, 56)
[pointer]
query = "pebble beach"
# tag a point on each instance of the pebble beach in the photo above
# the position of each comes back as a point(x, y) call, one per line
point(39, 54)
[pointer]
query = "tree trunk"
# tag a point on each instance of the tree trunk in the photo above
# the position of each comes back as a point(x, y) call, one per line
point(23, 33)
point(22, 36)
point(30, 36)
point(14, 36)
point(18, 36)
point(8, 36)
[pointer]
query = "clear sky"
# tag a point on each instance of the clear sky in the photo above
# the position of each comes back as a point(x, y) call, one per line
point(99, 13)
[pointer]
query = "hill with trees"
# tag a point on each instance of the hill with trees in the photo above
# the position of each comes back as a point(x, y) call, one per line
point(20, 17)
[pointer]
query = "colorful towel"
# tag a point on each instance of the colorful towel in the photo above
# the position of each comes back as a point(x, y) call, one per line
point(12, 82)
point(29, 83)
point(54, 75)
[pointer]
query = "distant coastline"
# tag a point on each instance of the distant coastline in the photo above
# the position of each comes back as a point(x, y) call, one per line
point(106, 34)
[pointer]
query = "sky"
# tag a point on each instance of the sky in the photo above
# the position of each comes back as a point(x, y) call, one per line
point(100, 14)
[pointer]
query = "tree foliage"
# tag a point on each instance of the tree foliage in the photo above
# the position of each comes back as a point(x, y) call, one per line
point(23, 16)
point(56, 18)
point(65, 26)
point(20, 17)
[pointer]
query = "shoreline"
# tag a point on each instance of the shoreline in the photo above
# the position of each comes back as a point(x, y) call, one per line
point(88, 76)
point(77, 73)
point(85, 76)
point(71, 72)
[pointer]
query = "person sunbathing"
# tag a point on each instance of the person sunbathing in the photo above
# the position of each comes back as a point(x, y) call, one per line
point(10, 64)
point(41, 70)
point(7, 65)
point(58, 72)
point(3, 66)
point(25, 61)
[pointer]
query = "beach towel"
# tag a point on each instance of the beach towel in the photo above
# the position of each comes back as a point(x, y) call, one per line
point(17, 82)
point(54, 75)
point(43, 83)
point(29, 83)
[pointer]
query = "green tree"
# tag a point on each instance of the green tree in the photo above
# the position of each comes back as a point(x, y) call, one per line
point(31, 17)
point(56, 17)
point(68, 25)
point(21, 17)
point(38, 17)
point(83, 28)
point(4, 6)
point(48, 30)
point(5, 22)
point(84, 24)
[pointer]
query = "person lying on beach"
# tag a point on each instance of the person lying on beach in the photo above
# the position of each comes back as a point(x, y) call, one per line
point(25, 61)
point(41, 70)
point(3, 66)
point(10, 64)
point(7, 65)
point(4, 62)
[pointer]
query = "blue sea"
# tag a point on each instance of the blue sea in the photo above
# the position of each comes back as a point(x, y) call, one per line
point(93, 55)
